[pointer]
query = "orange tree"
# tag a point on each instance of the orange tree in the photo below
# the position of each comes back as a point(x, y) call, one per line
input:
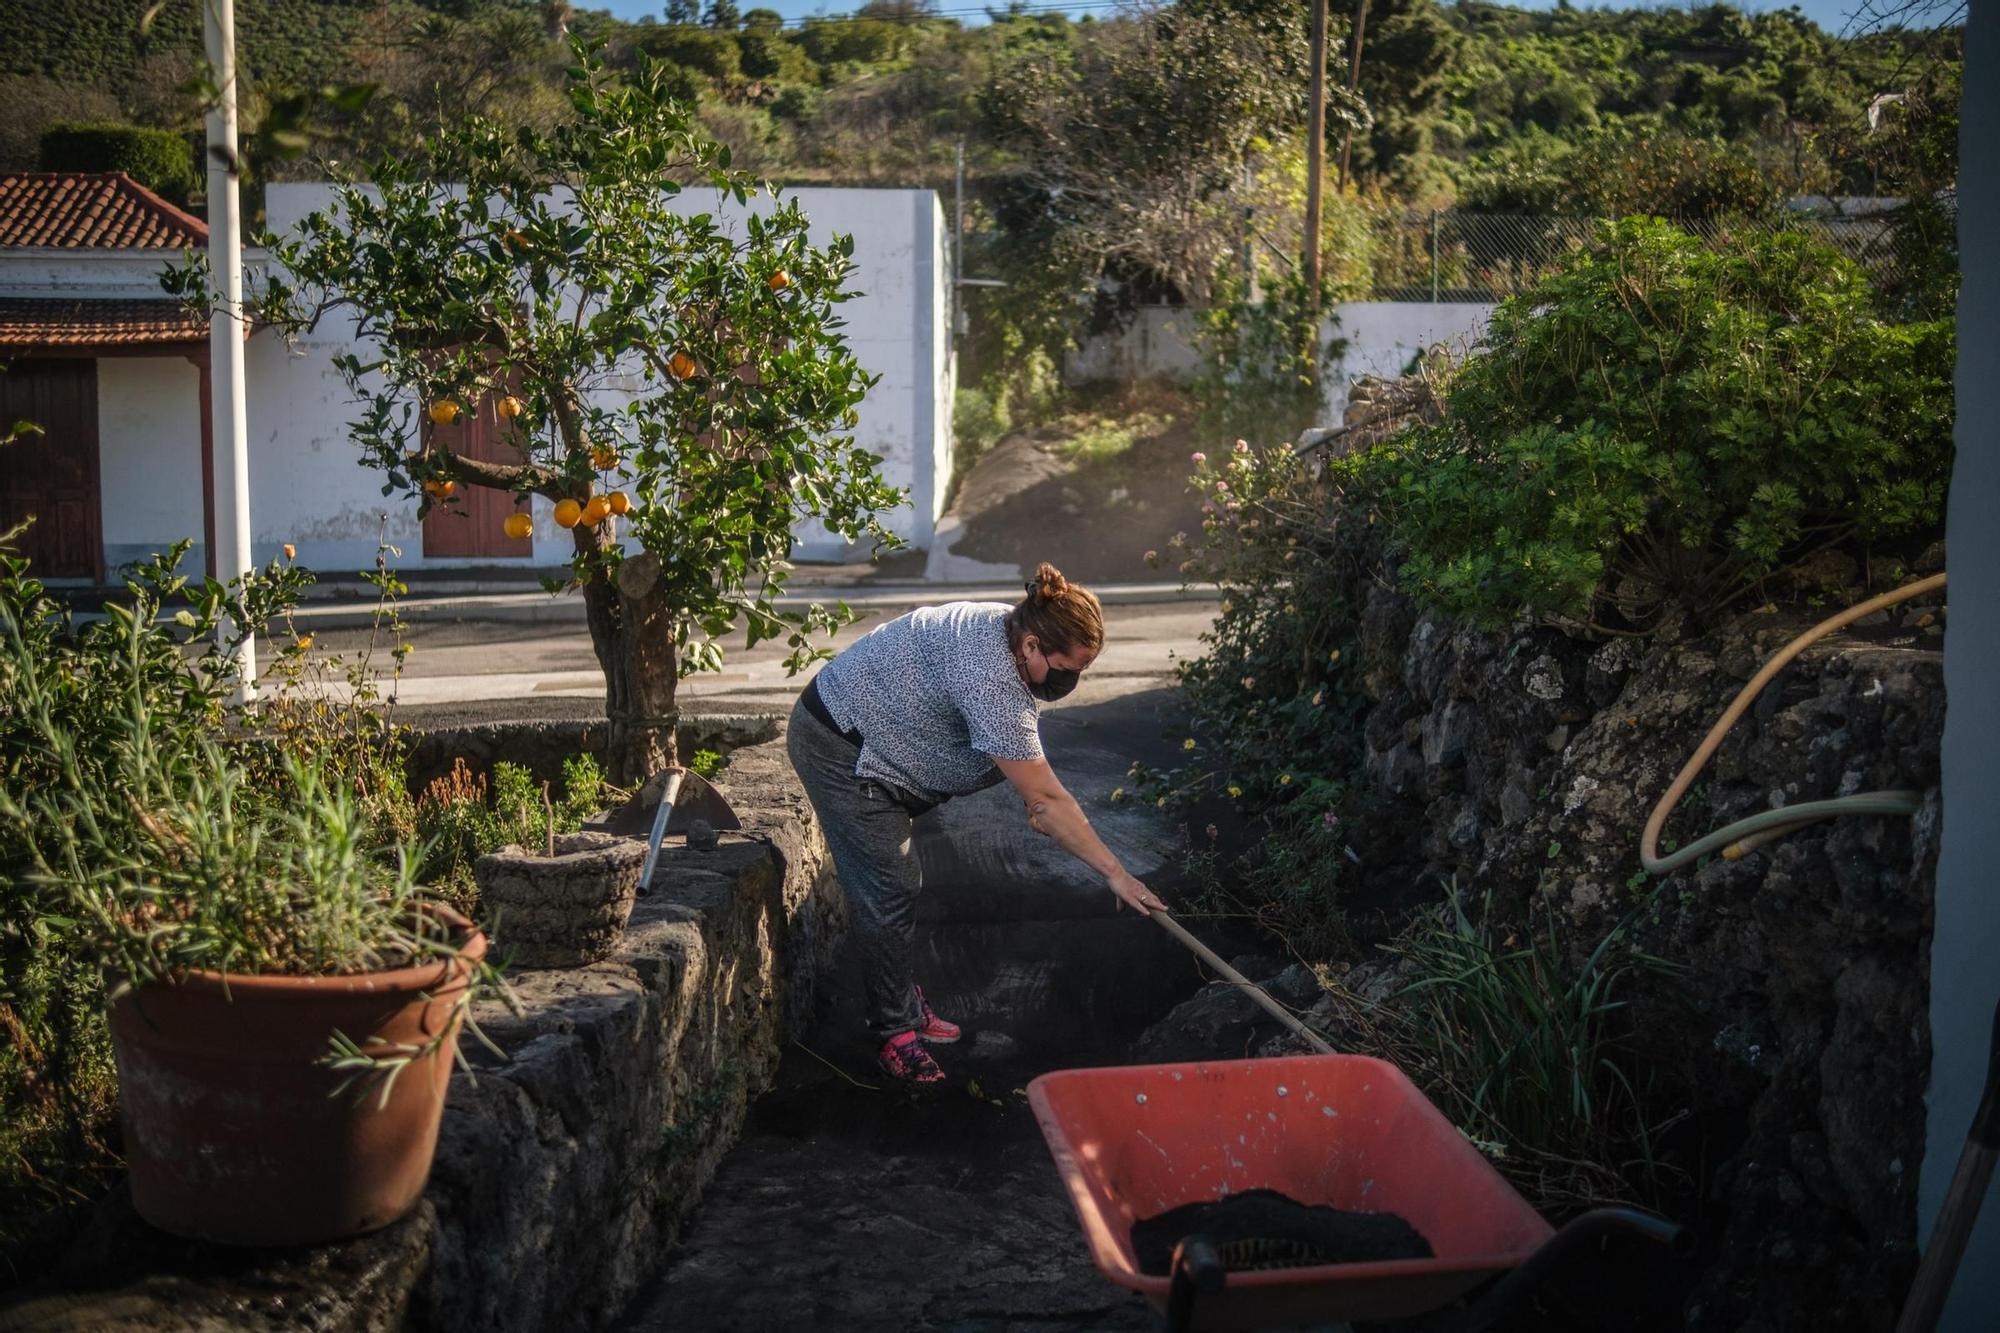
point(617, 335)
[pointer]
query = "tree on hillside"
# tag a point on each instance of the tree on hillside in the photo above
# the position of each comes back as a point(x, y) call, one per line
point(653, 371)
point(723, 15)
point(1123, 142)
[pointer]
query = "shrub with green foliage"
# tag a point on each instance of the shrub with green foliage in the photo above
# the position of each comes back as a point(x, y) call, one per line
point(1527, 1052)
point(1660, 428)
point(1273, 705)
point(160, 160)
point(1263, 360)
point(461, 817)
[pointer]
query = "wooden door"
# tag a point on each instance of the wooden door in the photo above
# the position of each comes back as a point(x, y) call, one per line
point(470, 523)
point(53, 477)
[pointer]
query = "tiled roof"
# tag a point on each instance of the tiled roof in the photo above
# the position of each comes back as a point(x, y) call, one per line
point(26, 324)
point(86, 210)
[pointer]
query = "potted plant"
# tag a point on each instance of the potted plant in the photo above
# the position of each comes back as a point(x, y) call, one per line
point(285, 1007)
point(555, 899)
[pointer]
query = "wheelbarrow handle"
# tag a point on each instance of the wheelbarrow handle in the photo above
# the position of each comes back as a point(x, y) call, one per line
point(1578, 1235)
point(1197, 1268)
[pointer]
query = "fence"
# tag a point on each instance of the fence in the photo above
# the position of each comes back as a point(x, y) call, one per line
point(1437, 255)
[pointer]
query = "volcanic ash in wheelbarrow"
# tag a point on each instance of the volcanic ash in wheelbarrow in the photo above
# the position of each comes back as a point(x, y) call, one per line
point(1265, 1229)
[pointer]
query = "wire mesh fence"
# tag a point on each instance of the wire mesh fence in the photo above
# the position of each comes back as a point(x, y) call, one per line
point(1452, 255)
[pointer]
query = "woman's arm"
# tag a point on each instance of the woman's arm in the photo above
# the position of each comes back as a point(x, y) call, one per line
point(1053, 811)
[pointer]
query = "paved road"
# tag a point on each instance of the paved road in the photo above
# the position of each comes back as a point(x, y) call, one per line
point(540, 670)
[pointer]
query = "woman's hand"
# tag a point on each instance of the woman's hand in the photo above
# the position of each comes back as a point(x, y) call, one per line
point(1131, 893)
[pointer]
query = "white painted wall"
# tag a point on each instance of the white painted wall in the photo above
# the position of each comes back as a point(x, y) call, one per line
point(1159, 341)
point(1382, 338)
point(149, 457)
point(309, 488)
point(104, 275)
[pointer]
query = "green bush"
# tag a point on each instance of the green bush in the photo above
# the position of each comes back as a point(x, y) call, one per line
point(1264, 360)
point(978, 421)
point(461, 817)
point(713, 54)
point(1273, 704)
point(1660, 428)
point(160, 160)
point(1530, 1055)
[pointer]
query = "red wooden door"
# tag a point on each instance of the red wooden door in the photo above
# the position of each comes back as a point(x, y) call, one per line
point(470, 523)
point(53, 476)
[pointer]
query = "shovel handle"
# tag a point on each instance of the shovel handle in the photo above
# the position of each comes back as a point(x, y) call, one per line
point(669, 792)
point(1235, 978)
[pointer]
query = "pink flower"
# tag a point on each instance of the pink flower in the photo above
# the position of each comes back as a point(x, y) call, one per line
point(1222, 486)
point(1197, 457)
point(1243, 446)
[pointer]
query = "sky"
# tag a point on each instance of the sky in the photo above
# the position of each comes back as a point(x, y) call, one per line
point(1829, 14)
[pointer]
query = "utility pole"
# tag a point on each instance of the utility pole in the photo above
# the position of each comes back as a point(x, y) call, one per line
point(225, 327)
point(1315, 152)
point(1353, 86)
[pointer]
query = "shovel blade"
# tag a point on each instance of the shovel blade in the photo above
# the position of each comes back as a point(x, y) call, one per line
point(696, 799)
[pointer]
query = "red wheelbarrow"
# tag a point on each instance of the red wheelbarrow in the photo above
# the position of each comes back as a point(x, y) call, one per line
point(1342, 1130)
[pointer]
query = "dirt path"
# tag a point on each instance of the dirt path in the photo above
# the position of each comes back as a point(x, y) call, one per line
point(1092, 491)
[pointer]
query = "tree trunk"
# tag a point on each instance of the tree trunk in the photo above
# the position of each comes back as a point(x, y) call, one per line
point(632, 631)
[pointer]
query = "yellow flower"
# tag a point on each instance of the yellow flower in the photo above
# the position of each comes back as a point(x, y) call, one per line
point(1235, 793)
point(1284, 779)
point(1162, 803)
point(1317, 696)
point(291, 551)
point(305, 642)
point(1333, 656)
point(1117, 793)
point(1188, 744)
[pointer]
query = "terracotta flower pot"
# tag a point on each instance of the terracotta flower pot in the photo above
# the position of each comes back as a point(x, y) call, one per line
point(563, 910)
point(233, 1129)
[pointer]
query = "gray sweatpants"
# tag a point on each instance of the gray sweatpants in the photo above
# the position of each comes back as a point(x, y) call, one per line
point(869, 834)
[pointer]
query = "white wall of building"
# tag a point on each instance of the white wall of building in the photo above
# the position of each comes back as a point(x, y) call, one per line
point(1382, 338)
point(52, 274)
point(149, 457)
point(308, 486)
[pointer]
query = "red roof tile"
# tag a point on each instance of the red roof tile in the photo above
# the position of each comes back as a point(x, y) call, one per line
point(84, 210)
point(32, 324)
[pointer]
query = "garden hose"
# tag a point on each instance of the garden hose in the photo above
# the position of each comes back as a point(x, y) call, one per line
point(1739, 839)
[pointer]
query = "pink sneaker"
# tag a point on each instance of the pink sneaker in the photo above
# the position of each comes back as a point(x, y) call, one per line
point(903, 1057)
point(935, 1030)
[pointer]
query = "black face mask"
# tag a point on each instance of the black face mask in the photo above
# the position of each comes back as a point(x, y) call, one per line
point(1056, 684)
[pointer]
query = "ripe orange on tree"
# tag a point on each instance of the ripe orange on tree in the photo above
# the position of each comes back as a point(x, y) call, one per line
point(518, 525)
point(620, 502)
point(444, 411)
point(780, 280)
point(568, 512)
point(595, 511)
point(683, 365)
point(510, 407)
point(603, 457)
point(443, 490)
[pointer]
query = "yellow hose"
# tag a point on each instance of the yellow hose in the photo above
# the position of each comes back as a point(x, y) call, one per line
point(1745, 835)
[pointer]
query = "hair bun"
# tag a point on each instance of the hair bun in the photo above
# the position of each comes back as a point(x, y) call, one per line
point(1048, 582)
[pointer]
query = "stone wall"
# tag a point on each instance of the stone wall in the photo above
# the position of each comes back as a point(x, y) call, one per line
point(564, 1173)
point(1525, 765)
point(541, 747)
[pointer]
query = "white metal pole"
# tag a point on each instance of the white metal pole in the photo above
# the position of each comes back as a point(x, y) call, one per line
point(225, 328)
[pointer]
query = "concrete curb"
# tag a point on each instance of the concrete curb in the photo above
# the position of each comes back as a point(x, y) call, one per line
point(542, 608)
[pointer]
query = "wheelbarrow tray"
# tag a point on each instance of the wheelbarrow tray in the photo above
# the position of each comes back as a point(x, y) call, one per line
point(1344, 1130)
